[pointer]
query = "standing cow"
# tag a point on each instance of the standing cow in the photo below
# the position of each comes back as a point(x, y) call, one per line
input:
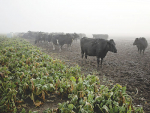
point(40, 37)
point(49, 38)
point(60, 40)
point(141, 44)
point(97, 47)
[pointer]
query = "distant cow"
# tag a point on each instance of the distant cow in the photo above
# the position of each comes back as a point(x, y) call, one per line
point(141, 44)
point(100, 36)
point(60, 40)
point(49, 39)
point(40, 37)
point(75, 37)
point(97, 47)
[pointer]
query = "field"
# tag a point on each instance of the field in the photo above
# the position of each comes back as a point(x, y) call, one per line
point(52, 82)
point(127, 67)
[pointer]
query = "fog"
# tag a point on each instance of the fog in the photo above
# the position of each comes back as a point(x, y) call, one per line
point(128, 18)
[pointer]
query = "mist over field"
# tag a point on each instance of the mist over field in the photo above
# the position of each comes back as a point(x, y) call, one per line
point(119, 19)
point(51, 32)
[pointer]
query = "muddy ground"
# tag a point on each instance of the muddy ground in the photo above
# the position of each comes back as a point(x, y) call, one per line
point(126, 67)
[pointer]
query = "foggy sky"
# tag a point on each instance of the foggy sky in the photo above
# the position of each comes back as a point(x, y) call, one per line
point(113, 17)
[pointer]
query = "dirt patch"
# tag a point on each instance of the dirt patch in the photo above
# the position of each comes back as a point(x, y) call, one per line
point(127, 67)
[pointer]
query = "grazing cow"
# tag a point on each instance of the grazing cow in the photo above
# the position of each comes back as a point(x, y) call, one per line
point(97, 47)
point(60, 40)
point(141, 44)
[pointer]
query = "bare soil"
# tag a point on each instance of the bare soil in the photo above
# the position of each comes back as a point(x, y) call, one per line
point(126, 67)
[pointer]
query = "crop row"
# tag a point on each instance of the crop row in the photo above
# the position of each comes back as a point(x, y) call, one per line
point(27, 73)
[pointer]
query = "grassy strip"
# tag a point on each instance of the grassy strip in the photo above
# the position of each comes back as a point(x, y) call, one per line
point(27, 73)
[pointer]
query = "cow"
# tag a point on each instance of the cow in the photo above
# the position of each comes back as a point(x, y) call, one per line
point(29, 35)
point(97, 47)
point(49, 38)
point(40, 37)
point(60, 40)
point(141, 44)
point(75, 37)
point(45, 36)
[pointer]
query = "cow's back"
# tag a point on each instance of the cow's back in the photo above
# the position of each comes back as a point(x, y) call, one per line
point(85, 40)
point(64, 39)
point(68, 39)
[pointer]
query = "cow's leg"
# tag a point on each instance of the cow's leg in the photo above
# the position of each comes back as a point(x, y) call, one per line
point(85, 55)
point(82, 53)
point(53, 46)
point(143, 51)
point(98, 62)
point(70, 47)
point(49, 45)
point(57, 42)
point(60, 48)
point(101, 61)
point(140, 51)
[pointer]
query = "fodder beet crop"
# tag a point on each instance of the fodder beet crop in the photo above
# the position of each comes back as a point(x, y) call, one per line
point(27, 73)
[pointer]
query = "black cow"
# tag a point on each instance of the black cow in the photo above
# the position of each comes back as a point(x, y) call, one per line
point(40, 37)
point(29, 35)
point(141, 44)
point(76, 36)
point(97, 47)
point(49, 37)
point(45, 36)
point(60, 40)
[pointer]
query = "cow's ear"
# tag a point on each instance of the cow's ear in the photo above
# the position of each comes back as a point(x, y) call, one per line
point(112, 41)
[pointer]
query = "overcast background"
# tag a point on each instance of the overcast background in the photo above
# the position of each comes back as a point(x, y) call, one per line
point(113, 17)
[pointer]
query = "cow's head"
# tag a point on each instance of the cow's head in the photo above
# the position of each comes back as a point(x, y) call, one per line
point(136, 41)
point(112, 46)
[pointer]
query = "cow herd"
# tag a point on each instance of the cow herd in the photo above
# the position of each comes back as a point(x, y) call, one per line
point(57, 39)
point(89, 46)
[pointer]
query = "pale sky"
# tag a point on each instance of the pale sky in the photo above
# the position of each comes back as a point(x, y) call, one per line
point(112, 17)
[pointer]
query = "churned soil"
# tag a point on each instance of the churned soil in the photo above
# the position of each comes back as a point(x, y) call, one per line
point(126, 67)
